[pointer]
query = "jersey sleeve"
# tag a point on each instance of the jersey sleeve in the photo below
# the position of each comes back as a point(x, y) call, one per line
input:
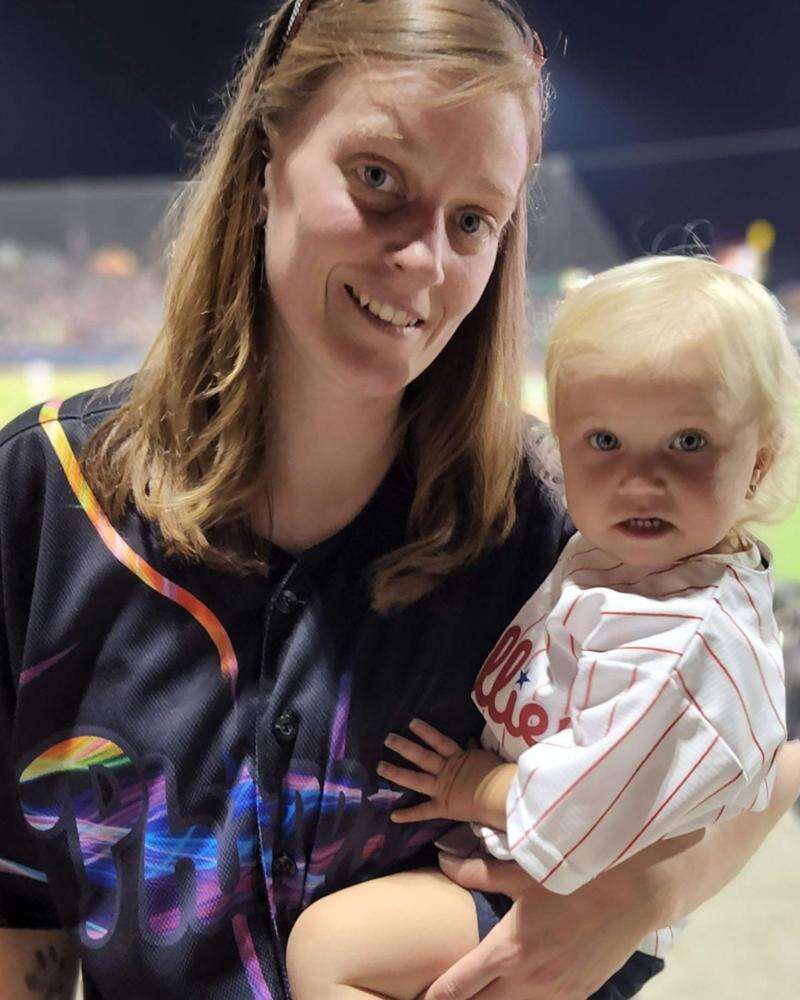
point(663, 740)
point(25, 899)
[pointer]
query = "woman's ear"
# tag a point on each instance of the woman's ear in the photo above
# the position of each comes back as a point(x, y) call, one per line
point(263, 196)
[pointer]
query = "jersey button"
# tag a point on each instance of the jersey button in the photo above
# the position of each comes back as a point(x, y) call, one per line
point(285, 728)
point(283, 866)
point(287, 601)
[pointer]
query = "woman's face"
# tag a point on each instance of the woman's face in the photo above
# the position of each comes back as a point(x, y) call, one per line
point(376, 196)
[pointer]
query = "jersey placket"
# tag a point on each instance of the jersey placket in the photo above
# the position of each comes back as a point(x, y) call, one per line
point(273, 743)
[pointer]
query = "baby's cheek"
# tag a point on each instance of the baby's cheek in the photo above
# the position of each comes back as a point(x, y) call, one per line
point(705, 475)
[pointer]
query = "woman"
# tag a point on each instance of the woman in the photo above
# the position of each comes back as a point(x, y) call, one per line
point(307, 518)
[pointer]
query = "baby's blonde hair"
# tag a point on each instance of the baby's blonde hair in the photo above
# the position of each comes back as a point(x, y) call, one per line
point(642, 317)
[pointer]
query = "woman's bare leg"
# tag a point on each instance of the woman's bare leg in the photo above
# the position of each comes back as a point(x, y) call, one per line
point(388, 938)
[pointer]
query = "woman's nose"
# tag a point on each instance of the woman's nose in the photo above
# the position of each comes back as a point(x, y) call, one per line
point(420, 252)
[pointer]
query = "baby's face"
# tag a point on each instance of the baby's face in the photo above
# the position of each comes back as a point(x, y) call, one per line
point(655, 468)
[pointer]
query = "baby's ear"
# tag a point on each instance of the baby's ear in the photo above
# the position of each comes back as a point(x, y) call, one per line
point(764, 459)
point(761, 466)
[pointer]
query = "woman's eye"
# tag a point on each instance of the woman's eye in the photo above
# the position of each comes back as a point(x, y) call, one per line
point(689, 441)
point(470, 224)
point(375, 177)
point(604, 440)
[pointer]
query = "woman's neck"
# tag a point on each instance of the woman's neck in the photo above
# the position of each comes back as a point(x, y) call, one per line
point(327, 452)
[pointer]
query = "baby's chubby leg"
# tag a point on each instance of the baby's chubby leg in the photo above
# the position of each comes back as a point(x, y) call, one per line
point(388, 938)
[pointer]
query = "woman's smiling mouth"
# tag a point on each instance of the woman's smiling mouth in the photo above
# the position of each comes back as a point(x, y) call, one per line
point(381, 314)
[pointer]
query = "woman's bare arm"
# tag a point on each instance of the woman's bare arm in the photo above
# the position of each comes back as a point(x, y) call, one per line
point(685, 872)
point(551, 947)
point(37, 964)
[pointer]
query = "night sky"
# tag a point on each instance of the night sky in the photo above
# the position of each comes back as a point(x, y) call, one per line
point(91, 88)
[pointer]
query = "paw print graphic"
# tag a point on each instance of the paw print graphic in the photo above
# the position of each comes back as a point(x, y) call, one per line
point(49, 977)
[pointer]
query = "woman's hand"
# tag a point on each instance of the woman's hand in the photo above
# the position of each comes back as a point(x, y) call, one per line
point(551, 947)
point(547, 947)
point(460, 784)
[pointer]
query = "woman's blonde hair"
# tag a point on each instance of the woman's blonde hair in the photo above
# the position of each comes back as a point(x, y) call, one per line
point(188, 447)
point(643, 317)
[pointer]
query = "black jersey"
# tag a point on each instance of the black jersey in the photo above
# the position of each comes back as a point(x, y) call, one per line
point(187, 757)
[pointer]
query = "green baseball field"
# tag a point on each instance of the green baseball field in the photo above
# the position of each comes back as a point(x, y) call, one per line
point(22, 387)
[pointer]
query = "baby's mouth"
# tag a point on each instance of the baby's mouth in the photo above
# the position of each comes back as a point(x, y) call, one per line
point(645, 527)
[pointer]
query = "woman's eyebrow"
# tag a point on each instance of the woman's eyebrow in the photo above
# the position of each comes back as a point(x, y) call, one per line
point(369, 129)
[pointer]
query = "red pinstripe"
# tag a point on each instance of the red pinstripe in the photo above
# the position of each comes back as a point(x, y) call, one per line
point(594, 569)
point(616, 702)
point(617, 797)
point(557, 801)
point(721, 788)
point(652, 614)
point(585, 552)
point(747, 594)
point(685, 590)
point(589, 686)
point(776, 663)
point(691, 697)
point(571, 607)
point(718, 817)
point(523, 790)
point(533, 625)
point(646, 649)
point(758, 662)
point(666, 801)
point(717, 660)
point(611, 718)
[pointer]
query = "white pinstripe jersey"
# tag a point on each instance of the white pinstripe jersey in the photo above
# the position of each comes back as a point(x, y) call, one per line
point(638, 705)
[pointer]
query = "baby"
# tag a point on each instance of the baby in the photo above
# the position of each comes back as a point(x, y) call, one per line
point(639, 693)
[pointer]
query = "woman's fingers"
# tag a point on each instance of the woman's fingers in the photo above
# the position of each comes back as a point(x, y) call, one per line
point(417, 781)
point(467, 978)
point(441, 744)
point(425, 759)
point(487, 874)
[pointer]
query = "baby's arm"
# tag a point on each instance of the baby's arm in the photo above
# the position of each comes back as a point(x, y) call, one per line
point(469, 785)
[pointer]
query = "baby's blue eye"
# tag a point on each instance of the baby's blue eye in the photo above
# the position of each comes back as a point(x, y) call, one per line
point(604, 440)
point(689, 441)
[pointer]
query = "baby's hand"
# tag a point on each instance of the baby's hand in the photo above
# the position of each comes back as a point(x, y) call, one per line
point(452, 778)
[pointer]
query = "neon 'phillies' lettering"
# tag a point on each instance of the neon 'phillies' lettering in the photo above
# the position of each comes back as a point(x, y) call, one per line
point(199, 871)
point(89, 787)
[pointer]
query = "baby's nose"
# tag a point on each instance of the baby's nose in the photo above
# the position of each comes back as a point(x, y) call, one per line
point(642, 477)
